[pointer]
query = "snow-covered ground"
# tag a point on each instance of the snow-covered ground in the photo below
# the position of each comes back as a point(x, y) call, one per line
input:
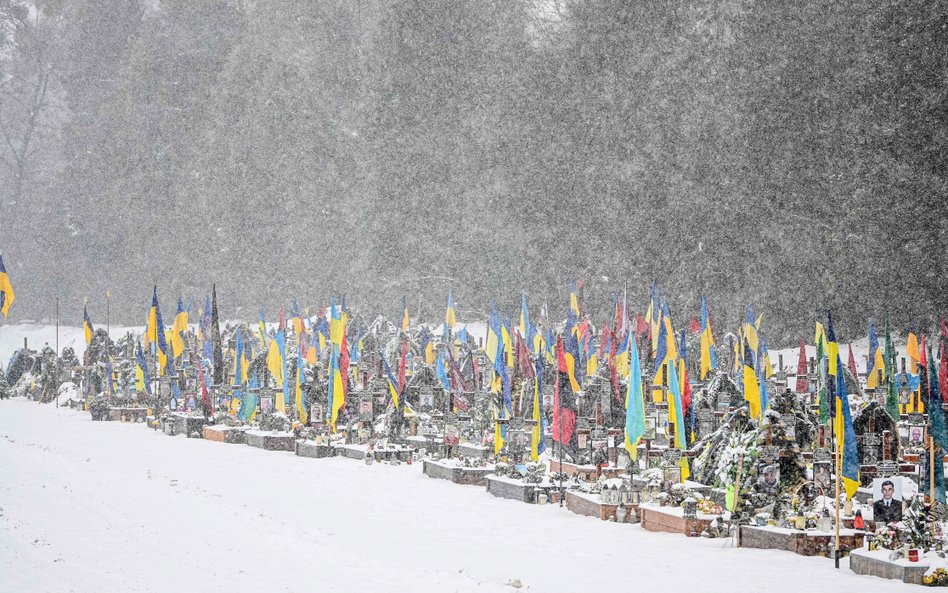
point(107, 506)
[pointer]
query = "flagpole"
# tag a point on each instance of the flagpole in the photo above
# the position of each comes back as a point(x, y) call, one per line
point(838, 464)
point(57, 348)
point(108, 298)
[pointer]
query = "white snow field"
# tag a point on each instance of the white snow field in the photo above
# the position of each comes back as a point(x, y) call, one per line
point(107, 506)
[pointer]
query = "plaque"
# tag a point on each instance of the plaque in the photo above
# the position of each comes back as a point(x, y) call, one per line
point(769, 453)
point(671, 455)
point(888, 468)
point(822, 455)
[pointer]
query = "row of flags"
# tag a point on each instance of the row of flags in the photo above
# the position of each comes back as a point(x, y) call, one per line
point(525, 348)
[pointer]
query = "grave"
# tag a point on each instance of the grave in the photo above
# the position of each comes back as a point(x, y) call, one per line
point(226, 434)
point(876, 563)
point(271, 440)
point(672, 519)
point(452, 470)
point(310, 448)
point(811, 542)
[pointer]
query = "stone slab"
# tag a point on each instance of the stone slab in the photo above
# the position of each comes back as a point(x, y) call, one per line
point(226, 434)
point(804, 543)
point(866, 562)
point(476, 476)
point(313, 449)
point(271, 441)
point(657, 519)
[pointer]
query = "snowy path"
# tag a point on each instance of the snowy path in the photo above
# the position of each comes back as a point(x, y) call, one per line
point(116, 507)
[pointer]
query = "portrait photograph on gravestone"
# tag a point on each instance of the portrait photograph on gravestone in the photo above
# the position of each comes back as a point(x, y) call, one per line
point(916, 435)
point(768, 481)
point(823, 474)
point(887, 499)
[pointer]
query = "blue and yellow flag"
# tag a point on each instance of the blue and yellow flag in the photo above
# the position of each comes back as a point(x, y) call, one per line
point(676, 416)
point(574, 300)
point(442, 373)
point(156, 334)
point(406, 320)
point(110, 373)
point(845, 432)
point(240, 367)
point(142, 378)
point(750, 331)
point(876, 373)
point(450, 316)
point(87, 325)
point(751, 385)
point(336, 389)
point(393, 388)
point(634, 403)
point(709, 359)
point(276, 364)
point(178, 329)
point(6, 290)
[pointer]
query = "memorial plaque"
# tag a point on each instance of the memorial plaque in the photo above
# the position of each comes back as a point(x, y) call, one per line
point(887, 468)
point(769, 453)
point(671, 455)
point(790, 431)
point(916, 418)
point(598, 433)
point(822, 455)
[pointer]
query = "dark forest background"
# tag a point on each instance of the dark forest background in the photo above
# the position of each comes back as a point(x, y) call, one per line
point(789, 155)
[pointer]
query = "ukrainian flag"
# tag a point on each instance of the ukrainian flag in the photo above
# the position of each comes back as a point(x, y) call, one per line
point(846, 435)
point(300, 399)
point(87, 325)
point(6, 290)
point(393, 388)
point(750, 330)
point(709, 359)
point(876, 360)
point(574, 301)
point(450, 316)
point(634, 404)
point(336, 392)
point(156, 333)
point(676, 416)
point(751, 386)
point(178, 329)
point(142, 380)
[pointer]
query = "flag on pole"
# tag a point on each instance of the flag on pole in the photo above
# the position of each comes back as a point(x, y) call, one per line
point(87, 325)
point(875, 368)
point(634, 404)
point(178, 329)
point(405, 319)
point(450, 315)
point(6, 290)
point(564, 399)
point(709, 359)
point(142, 378)
point(300, 398)
point(537, 438)
point(892, 397)
point(846, 433)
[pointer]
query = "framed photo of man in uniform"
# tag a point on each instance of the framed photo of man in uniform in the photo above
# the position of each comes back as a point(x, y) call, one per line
point(916, 435)
point(887, 499)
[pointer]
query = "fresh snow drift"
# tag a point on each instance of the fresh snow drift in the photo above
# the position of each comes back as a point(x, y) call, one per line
point(109, 506)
